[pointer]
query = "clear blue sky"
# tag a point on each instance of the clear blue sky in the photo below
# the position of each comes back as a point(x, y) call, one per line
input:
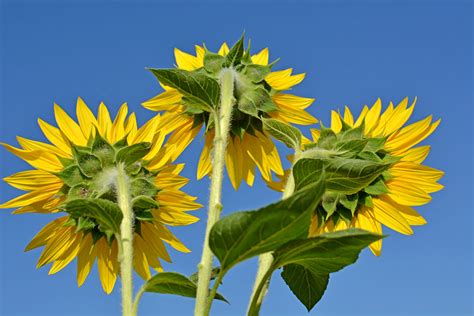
point(352, 54)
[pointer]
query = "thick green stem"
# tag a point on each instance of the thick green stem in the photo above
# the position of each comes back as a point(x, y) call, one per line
point(126, 240)
point(222, 119)
point(265, 261)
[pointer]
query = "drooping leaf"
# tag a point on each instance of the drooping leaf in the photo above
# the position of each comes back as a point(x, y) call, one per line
point(243, 235)
point(174, 283)
point(287, 134)
point(196, 86)
point(308, 262)
point(106, 213)
point(307, 286)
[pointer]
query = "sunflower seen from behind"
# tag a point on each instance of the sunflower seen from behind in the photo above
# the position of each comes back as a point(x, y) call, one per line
point(379, 141)
point(76, 166)
point(259, 92)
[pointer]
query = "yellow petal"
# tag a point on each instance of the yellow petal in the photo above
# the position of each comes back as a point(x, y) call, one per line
point(261, 58)
point(387, 214)
point(186, 61)
point(70, 128)
point(283, 80)
point(416, 155)
point(170, 239)
point(140, 262)
point(292, 101)
point(200, 54)
point(224, 50)
point(372, 116)
point(67, 256)
point(361, 117)
point(106, 268)
point(42, 193)
point(39, 160)
point(399, 117)
point(411, 135)
point(255, 151)
point(55, 136)
point(118, 127)
point(336, 124)
point(411, 216)
point(315, 134)
point(232, 165)
point(86, 118)
point(205, 164)
point(414, 170)
point(365, 220)
point(163, 101)
point(85, 259)
point(405, 194)
point(154, 242)
point(63, 238)
point(31, 179)
point(104, 121)
point(348, 118)
point(46, 233)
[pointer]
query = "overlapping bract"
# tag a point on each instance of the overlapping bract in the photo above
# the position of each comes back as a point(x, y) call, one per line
point(51, 186)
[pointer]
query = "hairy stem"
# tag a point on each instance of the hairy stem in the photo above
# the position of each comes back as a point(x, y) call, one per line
point(222, 119)
point(262, 280)
point(126, 240)
point(137, 300)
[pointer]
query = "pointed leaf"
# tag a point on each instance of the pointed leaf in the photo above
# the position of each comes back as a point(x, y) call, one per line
point(287, 134)
point(133, 153)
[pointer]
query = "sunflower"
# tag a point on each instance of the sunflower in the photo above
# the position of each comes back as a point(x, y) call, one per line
point(259, 92)
point(74, 166)
point(390, 198)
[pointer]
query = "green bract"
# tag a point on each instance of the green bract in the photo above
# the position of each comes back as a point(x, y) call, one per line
point(356, 169)
point(201, 91)
point(89, 189)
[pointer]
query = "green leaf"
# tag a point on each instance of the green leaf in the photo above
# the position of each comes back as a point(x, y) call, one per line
point(308, 262)
point(84, 223)
point(106, 213)
point(343, 175)
point(375, 144)
point(351, 148)
point(243, 235)
point(287, 134)
point(195, 86)
point(174, 283)
point(250, 101)
point(78, 191)
point(327, 138)
point(133, 153)
point(307, 286)
point(326, 253)
point(213, 62)
point(235, 54)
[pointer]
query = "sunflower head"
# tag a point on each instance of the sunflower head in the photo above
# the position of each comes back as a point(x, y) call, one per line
point(374, 171)
point(75, 176)
point(192, 94)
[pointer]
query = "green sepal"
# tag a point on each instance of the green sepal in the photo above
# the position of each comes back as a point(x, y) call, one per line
point(71, 175)
point(89, 164)
point(142, 186)
point(329, 202)
point(84, 223)
point(377, 188)
point(144, 202)
point(375, 144)
point(213, 62)
point(350, 202)
point(131, 154)
point(256, 73)
point(234, 56)
point(79, 191)
point(103, 150)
